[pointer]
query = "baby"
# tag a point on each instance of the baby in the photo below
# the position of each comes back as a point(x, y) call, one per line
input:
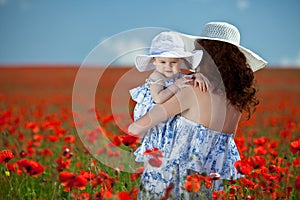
point(167, 55)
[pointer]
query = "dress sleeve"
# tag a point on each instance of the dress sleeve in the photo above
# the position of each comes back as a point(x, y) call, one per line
point(138, 94)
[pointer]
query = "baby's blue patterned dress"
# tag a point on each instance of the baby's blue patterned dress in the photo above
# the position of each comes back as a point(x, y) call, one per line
point(187, 147)
point(159, 137)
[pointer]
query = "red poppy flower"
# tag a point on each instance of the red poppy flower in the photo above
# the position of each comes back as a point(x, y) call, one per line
point(290, 125)
point(21, 137)
point(261, 141)
point(31, 167)
point(33, 126)
point(70, 181)
point(82, 196)
point(103, 180)
point(124, 196)
point(285, 133)
point(233, 191)
point(246, 183)
point(273, 145)
point(260, 150)
point(23, 154)
point(296, 162)
point(295, 146)
point(62, 163)
point(69, 139)
point(12, 167)
point(117, 140)
point(194, 179)
point(240, 143)
point(6, 155)
point(154, 152)
point(192, 184)
point(130, 140)
point(60, 131)
point(37, 137)
point(155, 162)
point(47, 152)
point(106, 194)
point(257, 161)
point(207, 182)
point(297, 183)
point(78, 182)
point(65, 176)
point(87, 175)
point(243, 167)
point(52, 138)
point(219, 195)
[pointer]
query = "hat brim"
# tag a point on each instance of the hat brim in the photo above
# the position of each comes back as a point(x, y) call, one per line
point(145, 63)
point(253, 60)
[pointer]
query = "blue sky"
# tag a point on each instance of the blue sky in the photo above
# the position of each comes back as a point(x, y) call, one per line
point(66, 31)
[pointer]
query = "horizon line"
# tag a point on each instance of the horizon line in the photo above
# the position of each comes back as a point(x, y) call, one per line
point(76, 65)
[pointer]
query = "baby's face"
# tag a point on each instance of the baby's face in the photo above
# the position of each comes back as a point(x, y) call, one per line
point(168, 66)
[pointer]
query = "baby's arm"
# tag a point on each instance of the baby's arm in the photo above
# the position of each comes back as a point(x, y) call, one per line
point(178, 103)
point(161, 94)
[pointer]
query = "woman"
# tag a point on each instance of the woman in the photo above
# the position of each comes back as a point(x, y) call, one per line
point(207, 121)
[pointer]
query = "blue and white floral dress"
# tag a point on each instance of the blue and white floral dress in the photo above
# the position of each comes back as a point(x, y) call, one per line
point(186, 147)
point(195, 148)
point(160, 137)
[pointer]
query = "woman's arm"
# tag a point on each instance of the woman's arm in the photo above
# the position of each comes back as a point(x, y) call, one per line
point(175, 105)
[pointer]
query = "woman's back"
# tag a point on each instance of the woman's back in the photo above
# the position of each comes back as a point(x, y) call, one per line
point(210, 110)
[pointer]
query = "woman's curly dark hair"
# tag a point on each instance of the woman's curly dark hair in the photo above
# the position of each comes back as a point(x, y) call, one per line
point(237, 76)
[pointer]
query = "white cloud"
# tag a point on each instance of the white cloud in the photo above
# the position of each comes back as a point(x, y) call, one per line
point(242, 4)
point(291, 61)
point(121, 50)
point(131, 49)
point(298, 59)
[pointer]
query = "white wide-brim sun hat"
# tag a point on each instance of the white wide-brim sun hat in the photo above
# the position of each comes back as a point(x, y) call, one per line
point(225, 32)
point(168, 45)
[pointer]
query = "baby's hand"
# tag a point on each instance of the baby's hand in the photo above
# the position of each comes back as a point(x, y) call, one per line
point(199, 82)
point(182, 82)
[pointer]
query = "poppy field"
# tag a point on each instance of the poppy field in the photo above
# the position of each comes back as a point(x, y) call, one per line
point(43, 156)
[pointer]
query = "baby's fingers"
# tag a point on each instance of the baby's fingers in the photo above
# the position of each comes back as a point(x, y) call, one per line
point(203, 87)
point(197, 83)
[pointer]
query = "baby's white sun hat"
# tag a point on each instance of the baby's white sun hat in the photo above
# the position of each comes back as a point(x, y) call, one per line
point(225, 32)
point(169, 45)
